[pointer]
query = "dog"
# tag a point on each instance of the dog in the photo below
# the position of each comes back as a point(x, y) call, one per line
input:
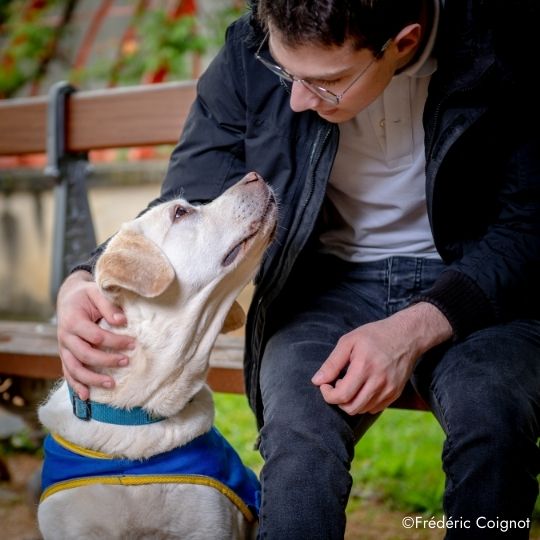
point(176, 271)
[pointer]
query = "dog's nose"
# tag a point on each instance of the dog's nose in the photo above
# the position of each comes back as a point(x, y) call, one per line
point(252, 177)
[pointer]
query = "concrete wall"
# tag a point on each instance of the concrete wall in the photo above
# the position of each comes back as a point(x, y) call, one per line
point(117, 193)
point(26, 223)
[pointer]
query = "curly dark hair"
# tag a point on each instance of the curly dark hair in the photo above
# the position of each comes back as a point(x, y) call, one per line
point(370, 23)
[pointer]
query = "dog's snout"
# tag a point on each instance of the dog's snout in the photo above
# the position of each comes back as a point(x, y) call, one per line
point(247, 199)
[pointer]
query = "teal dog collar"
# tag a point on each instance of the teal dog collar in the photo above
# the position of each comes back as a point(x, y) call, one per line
point(92, 410)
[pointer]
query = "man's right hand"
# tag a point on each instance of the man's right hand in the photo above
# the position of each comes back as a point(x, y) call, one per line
point(83, 345)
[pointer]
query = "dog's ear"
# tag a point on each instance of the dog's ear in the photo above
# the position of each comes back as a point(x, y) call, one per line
point(131, 261)
point(235, 318)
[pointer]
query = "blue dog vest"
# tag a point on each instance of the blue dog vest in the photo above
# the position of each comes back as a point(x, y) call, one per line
point(207, 460)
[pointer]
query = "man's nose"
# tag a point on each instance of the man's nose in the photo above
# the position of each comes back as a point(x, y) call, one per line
point(303, 99)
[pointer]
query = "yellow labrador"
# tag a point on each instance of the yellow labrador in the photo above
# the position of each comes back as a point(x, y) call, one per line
point(143, 460)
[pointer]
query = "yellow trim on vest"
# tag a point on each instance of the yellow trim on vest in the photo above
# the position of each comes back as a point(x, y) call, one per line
point(145, 479)
point(81, 450)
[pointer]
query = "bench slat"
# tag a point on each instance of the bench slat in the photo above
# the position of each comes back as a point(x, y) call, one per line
point(142, 115)
point(30, 350)
point(138, 116)
point(23, 125)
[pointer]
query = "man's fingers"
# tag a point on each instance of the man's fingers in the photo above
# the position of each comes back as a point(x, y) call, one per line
point(333, 365)
point(371, 399)
point(345, 388)
point(356, 393)
point(109, 311)
point(80, 378)
point(329, 395)
point(90, 356)
point(87, 331)
point(342, 391)
point(81, 390)
point(115, 342)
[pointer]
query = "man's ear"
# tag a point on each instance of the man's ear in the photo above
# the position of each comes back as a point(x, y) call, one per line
point(408, 39)
point(235, 319)
point(132, 262)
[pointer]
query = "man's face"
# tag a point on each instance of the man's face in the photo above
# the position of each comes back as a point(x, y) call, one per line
point(334, 69)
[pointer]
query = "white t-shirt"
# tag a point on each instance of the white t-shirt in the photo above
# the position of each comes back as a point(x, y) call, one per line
point(376, 193)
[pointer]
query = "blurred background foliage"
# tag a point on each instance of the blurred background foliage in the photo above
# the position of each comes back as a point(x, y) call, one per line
point(104, 43)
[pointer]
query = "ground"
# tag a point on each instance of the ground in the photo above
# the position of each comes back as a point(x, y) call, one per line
point(17, 511)
point(370, 521)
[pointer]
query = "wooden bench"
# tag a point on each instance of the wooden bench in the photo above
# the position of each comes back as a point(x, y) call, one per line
point(29, 349)
point(67, 124)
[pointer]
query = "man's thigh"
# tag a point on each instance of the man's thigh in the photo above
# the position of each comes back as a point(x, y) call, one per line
point(491, 377)
point(297, 349)
point(485, 392)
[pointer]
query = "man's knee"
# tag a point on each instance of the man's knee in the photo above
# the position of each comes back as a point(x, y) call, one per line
point(288, 364)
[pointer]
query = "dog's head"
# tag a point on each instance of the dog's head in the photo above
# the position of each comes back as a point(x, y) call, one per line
point(211, 249)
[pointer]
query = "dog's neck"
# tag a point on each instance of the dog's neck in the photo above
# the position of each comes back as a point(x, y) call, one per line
point(165, 376)
point(169, 364)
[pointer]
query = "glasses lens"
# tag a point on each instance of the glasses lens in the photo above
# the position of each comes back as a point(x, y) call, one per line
point(324, 94)
point(277, 70)
point(321, 92)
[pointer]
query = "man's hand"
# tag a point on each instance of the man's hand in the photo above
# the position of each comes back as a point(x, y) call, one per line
point(370, 366)
point(82, 343)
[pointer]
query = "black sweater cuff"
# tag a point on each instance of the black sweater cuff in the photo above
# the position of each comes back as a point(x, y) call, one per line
point(461, 301)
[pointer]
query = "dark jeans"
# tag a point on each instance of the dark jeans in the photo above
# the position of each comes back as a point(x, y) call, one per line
point(484, 390)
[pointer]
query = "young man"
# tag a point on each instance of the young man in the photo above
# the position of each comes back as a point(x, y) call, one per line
point(400, 137)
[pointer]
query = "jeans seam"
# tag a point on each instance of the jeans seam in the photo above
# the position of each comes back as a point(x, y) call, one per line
point(263, 477)
point(419, 270)
point(447, 429)
point(388, 284)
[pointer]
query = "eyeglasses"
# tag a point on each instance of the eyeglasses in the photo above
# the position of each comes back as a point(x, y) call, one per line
point(319, 91)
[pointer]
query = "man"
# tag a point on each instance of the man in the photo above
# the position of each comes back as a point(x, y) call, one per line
point(400, 137)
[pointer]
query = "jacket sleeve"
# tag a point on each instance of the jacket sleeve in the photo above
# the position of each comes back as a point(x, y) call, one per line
point(496, 278)
point(209, 156)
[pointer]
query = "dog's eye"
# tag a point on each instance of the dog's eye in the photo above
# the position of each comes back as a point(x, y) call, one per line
point(179, 212)
point(231, 256)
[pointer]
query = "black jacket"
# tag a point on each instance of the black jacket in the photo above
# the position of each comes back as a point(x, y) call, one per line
point(483, 165)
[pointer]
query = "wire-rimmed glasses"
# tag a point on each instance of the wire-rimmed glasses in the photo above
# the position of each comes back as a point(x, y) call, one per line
point(319, 91)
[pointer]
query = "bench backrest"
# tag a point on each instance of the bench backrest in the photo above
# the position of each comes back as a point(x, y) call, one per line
point(114, 118)
point(67, 124)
